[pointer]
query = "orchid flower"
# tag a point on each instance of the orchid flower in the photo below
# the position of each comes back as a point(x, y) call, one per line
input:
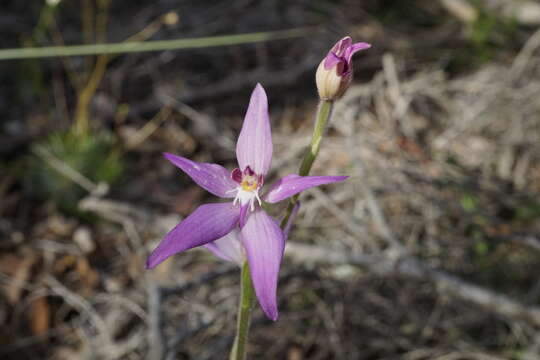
point(335, 71)
point(240, 229)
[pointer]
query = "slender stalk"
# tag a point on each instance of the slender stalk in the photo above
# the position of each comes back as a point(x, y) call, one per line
point(239, 349)
point(81, 124)
point(154, 45)
point(324, 111)
point(82, 112)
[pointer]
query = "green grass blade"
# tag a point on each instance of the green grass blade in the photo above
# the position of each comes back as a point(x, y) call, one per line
point(154, 45)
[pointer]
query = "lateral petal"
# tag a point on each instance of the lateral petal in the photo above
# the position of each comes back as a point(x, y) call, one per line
point(254, 147)
point(264, 243)
point(293, 184)
point(211, 177)
point(207, 223)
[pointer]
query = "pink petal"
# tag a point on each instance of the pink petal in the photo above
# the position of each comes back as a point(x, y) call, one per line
point(355, 48)
point(293, 184)
point(331, 60)
point(264, 242)
point(342, 45)
point(207, 223)
point(212, 177)
point(228, 248)
point(254, 146)
point(244, 212)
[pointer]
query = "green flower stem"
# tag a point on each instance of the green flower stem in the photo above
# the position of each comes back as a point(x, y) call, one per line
point(239, 349)
point(324, 112)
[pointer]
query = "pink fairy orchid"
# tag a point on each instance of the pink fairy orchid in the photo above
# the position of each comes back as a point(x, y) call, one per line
point(240, 229)
point(335, 71)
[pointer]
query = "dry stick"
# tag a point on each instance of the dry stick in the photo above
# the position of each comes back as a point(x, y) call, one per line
point(461, 9)
point(120, 215)
point(204, 126)
point(350, 225)
point(69, 172)
point(123, 213)
point(74, 77)
point(96, 192)
point(84, 307)
point(528, 240)
point(82, 116)
point(400, 103)
point(522, 59)
point(148, 129)
point(81, 125)
point(125, 301)
point(88, 21)
point(239, 81)
point(156, 338)
point(82, 110)
point(415, 268)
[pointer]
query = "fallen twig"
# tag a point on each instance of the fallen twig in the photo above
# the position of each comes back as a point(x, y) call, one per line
point(413, 267)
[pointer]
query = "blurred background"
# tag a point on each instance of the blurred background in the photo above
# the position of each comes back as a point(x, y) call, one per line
point(429, 251)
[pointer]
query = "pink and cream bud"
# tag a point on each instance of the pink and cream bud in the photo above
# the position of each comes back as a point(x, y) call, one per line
point(330, 85)
point(334, 73)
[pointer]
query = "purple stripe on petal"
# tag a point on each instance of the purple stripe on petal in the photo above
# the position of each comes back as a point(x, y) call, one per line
point(264, 243)
point(254, 146)
point(293, 184)
point(243, 214)
point(228, 248)
point(207, 223)
point(212, 177)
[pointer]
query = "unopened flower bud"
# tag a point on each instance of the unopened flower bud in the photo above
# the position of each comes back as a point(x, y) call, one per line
point(334, 73)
